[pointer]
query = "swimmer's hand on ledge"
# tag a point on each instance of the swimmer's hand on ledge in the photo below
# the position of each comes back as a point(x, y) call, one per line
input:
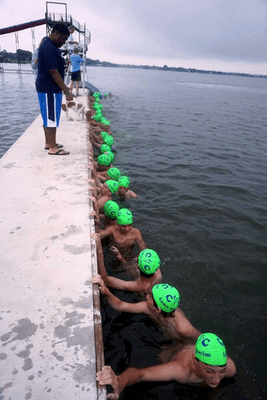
point(91, 167)
point(93, 189)
point(90, 180)
point(108, 377)
point(92, 198)
point(102, 287)
point(95, 236)
point(116, 252)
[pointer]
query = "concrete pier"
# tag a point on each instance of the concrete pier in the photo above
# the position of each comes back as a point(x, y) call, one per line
point(47, 315)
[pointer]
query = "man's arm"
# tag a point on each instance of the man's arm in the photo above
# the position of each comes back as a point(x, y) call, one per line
point(59, 81)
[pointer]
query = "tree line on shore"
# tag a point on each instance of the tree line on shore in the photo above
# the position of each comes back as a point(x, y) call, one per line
point(24, 57)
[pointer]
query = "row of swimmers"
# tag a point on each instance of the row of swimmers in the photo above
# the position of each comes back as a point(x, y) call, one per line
point(201, 361)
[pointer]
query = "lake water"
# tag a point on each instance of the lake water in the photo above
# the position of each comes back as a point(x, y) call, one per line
point(194, 146)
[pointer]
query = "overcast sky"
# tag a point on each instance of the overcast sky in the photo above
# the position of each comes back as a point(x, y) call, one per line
point(226, 35)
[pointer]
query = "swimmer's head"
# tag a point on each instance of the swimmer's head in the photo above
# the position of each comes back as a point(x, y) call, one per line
point(148, 261)
point(106, 122)
point(104, 159)
point(108, 140)
point(211, 350)
point(104, 134)
point(110, 154)
point(111, 209)
point(166, 297)
point(97, 117)
point(124, 181)
point(124, 217)
point(112, 185)
point(114, 173)
point(104, 147)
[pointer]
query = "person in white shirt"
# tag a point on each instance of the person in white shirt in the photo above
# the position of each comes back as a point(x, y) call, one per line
point(71, 42)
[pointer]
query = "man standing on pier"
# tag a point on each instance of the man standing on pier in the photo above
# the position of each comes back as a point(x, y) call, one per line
point(50, 84)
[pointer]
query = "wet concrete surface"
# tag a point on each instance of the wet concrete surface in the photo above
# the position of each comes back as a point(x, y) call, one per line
point(47, 344)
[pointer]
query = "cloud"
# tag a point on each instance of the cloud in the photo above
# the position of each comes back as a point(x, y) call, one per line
point(172, 31)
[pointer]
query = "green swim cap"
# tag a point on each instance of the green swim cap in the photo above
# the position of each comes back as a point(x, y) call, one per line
point(104, 159)
point(166, 297)
point(111, 209)
point(148, 261)
point(111, 155)
point(210, 349)
point(112, 185)
point(104, 147)
point(104, 134)
point(124, 217)
point(97, 106)
point(108, 140)
point(106, 122)
point(124, 181)
point(97, 117)
point(114, 173)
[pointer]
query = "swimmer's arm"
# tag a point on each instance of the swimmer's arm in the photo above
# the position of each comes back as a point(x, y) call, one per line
point(131, 195)
point(231, 368)
point(157, 277)
point(101, 201)
point(131, 286)
point(106, 232)
point(100, 257)
point(141, 244)
point(139, 240)
point(115, 302)
point(116, 252)
point(158, 373)
point(184, 326)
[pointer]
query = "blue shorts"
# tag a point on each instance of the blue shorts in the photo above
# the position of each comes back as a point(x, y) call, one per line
point(50, 107)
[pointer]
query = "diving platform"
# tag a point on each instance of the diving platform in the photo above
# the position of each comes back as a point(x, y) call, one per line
point(51, 332)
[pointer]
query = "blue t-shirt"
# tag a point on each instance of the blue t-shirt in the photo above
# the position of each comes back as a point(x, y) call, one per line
point(49, 57)
point(76, 60)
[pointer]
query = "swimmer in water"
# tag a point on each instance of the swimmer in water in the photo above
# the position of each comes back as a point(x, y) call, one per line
point(204, 363)
point(124, 236)
point(124, 192)
point(109, 187)
point(161, 305)
point(112, 173)
point(111, 209)
point(150, 273)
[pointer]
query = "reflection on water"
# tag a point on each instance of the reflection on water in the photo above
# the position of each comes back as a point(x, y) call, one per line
point(195, 149)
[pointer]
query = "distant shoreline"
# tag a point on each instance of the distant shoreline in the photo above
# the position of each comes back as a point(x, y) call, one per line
point(12, 59)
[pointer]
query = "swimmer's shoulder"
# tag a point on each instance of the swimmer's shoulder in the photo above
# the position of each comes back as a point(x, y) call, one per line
point(131, 195)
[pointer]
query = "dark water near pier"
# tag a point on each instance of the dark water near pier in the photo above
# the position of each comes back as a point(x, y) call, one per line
point(195, 149)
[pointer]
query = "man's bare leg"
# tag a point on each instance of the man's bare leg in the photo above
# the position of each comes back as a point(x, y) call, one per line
point(51, 144)
point(50, 138)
